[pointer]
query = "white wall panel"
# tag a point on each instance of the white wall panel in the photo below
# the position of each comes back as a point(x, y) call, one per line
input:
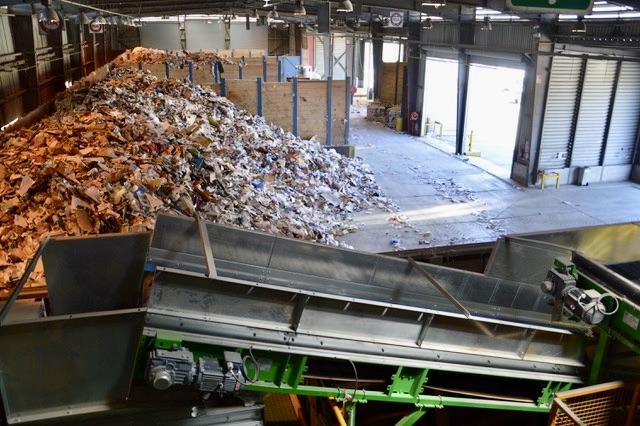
point(160, 35)
point(203, 36)
point(255, 38)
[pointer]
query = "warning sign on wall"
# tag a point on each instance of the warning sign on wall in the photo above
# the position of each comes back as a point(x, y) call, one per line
point(396, 19)
point(95, 27)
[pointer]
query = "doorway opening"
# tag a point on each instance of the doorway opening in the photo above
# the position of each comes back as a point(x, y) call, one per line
point(440, 101)
point(493, 112)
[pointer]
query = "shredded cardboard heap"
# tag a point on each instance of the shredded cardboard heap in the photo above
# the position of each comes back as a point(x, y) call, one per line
point(154, 56)
point(115, 154)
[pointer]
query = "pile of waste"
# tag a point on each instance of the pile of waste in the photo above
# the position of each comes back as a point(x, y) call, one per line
point(155, 56)
point(114, 154)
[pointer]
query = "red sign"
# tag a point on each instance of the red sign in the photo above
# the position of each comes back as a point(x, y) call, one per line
point(95, 27)
point(46, 27)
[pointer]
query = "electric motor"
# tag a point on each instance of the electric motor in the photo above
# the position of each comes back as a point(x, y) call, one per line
point(166, 368)
point(585, 304)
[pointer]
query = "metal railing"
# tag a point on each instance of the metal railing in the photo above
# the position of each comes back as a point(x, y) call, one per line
point(613, 403)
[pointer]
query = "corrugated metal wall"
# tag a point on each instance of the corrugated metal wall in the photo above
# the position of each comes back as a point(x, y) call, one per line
point(623, 131)
point(592, 113)
point(507, 36)
point(558, 124)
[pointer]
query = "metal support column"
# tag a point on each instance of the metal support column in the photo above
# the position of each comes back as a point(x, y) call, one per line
point(463, 89)
point(329, 115)
point(295, 106)
point(259, 89)
point(264, 68)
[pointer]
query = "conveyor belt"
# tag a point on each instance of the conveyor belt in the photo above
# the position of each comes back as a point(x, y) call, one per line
point(296, 305)
point(303, 298)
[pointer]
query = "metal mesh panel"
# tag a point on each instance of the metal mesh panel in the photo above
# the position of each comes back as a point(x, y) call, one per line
point(602, 405)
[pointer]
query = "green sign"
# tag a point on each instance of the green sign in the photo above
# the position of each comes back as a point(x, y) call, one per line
point(577, 7)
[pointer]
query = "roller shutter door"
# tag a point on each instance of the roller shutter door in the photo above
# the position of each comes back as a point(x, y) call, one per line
point(623, 131)
point(593, 113)
point(562, 97)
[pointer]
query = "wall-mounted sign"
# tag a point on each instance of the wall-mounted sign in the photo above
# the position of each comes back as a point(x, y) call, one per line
point(578, 7)
point(396, 19)
point(95, 27)
point(46, 27)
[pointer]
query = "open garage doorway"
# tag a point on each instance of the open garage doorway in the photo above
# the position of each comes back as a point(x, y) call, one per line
point(440, 100)
point(493, 111)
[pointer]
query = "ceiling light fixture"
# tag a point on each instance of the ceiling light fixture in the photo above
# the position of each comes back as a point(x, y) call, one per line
point(84, 19)
point(100, 19)
point(299, 10)
point(434, 3)
point(535, 31)
point(486, 25)
point(580, 26)
point(83, 6)
point(47, 15)
point(273, 14)
point(345, 6)
point(427, 24)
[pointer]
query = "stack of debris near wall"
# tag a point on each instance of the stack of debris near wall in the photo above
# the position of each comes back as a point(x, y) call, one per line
point(115, 153)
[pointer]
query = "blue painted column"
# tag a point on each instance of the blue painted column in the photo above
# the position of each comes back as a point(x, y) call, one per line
point(259, 88)
point(191, 71)
point(166, 69)
point(279, 70)
point(264, 68)
point(223, 87)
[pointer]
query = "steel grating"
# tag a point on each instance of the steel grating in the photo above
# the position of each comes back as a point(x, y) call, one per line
point(600, 405)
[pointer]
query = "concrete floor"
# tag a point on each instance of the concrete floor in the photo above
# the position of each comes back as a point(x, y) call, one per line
point(443, 199)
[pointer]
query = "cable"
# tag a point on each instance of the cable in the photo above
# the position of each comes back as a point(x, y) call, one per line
point(355, 371)
point(235, 376)
point(604, 312)
point(256, 366)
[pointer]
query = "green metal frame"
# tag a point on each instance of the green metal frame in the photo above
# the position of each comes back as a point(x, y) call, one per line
point(283, 373)
point(621, 326)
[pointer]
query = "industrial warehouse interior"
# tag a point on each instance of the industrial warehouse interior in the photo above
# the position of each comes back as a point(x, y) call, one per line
point(319, 213)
